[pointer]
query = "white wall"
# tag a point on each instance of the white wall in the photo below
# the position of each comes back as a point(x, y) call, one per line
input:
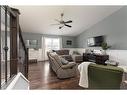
point(36, 54)
point(118, 55)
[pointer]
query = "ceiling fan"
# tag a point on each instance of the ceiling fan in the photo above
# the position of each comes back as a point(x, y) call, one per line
point(63, 23)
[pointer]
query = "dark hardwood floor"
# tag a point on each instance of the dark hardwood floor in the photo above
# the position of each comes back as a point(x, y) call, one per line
point(42, 77)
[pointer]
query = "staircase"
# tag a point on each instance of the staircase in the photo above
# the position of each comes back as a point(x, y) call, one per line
point(14, 54)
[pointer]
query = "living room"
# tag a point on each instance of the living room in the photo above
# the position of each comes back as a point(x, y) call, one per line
point(72, 47)
point(104, 23)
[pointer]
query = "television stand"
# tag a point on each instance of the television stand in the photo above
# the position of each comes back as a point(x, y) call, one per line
point(96, 58)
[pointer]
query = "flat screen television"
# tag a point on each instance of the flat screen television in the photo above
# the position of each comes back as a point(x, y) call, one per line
point(95, 41)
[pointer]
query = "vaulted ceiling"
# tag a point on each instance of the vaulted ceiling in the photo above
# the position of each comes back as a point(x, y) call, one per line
point(38, 19)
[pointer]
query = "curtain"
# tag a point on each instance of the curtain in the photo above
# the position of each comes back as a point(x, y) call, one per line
point(50, 43)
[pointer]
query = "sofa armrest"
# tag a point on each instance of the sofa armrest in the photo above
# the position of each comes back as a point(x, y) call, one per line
point(69, 65)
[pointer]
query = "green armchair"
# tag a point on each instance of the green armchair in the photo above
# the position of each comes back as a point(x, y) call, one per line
point(104, 77)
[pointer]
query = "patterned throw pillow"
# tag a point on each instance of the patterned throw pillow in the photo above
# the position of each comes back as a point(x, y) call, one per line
point(63, 61)
point(76, 53)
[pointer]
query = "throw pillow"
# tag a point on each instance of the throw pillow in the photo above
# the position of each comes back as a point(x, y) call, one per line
point(76, 53)
point(63, 61)
point(54, 50)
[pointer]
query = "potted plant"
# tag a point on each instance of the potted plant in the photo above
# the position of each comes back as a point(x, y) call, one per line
point(105, 46)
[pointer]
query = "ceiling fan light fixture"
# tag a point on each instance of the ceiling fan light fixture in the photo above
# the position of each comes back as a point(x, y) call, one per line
point(62, 22)
point(62, 14)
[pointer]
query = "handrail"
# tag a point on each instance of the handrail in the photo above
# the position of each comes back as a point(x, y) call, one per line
point(26, 52)
point(21, 38)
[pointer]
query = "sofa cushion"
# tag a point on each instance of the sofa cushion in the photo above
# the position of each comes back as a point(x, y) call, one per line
point(57, 59)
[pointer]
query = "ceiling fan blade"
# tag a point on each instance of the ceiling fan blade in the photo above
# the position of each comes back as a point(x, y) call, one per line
point(62, 14)
point(61, 27)
point(70, 21)
point(68, 25)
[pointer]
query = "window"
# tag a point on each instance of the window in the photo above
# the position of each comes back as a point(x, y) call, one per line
point(51, 44)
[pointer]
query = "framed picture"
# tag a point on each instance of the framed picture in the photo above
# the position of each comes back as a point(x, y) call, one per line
point(69, 42)
point(32, 43)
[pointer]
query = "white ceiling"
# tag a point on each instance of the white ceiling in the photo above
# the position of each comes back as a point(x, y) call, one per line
point(38, 19)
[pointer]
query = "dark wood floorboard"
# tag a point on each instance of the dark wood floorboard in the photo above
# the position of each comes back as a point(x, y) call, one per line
point(42, 77)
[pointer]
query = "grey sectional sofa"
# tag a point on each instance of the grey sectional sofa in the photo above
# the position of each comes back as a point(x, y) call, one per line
point(62, 71)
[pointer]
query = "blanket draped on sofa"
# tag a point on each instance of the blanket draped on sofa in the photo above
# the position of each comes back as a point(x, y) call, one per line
point(83, 69)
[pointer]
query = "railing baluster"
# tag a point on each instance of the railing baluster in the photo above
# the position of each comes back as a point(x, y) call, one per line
point(26, 62)
point(6, 47)
point(0, 47)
